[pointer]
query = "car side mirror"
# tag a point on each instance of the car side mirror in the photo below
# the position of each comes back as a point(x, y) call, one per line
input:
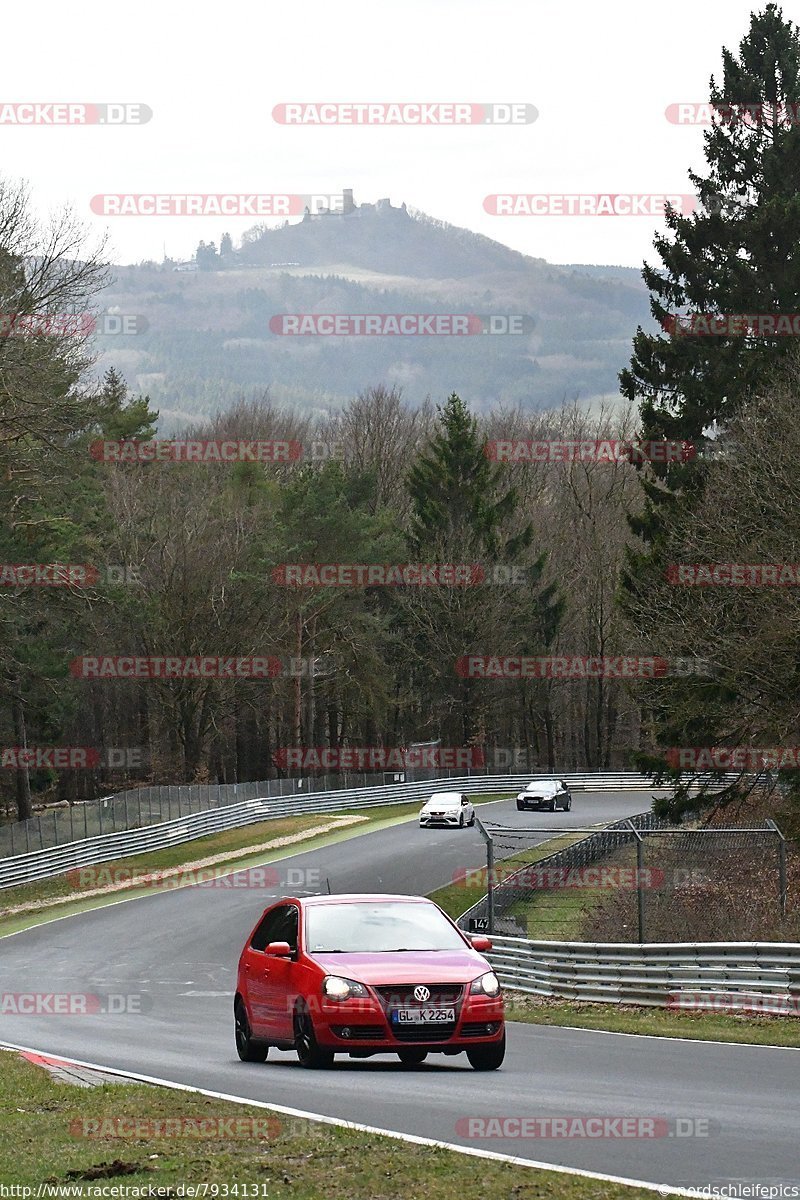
point(481, 942)
point(279, 950)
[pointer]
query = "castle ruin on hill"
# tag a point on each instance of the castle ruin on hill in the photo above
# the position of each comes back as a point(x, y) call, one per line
point(348, 208)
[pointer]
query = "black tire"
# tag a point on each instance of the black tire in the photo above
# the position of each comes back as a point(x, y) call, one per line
point(569, 805)
point(471, 821)
point(552, 806)
point(520, 806)
point(309, 1053)
point(460, 820)
point(412, 1056)
point(487, 1057)
point(247, 1048)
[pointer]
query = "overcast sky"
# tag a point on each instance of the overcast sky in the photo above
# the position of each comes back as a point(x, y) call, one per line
point(600, 75)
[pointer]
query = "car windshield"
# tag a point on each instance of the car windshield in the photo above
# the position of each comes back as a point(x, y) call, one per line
point(377, 927)
point(543, 788)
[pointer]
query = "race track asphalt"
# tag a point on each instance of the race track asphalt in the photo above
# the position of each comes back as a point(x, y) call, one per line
point(177, 951)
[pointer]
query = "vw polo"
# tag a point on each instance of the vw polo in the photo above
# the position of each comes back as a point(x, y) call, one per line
point(363, 975)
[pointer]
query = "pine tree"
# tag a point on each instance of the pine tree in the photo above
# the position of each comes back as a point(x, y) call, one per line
point(463, 511)
point(738, 254)
point(458, 495)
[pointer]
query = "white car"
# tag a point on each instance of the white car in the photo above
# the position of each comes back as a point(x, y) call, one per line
point(545, 793)
point(447, 808)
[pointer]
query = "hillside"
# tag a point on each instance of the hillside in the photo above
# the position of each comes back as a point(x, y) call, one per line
point(208, 339)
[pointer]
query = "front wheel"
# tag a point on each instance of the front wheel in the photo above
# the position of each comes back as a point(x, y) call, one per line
point(472, 820)
point(489, 1057)
point(520, 806)
point(247, 1049)
point(552, 806)
point(569, 805)
point(460, 820)
point(309, 1052)
point(412, 1056)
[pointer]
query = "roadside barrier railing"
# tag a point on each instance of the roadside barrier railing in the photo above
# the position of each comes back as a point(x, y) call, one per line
point(719, 975)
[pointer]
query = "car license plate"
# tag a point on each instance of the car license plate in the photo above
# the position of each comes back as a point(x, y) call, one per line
point(423, 1016)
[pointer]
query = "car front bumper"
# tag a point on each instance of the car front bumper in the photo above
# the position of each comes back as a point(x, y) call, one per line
point(364, 1025)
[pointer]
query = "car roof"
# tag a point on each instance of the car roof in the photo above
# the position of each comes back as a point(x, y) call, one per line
point(357, 897)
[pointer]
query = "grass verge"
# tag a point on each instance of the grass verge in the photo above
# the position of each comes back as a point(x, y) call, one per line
point(41, 1124)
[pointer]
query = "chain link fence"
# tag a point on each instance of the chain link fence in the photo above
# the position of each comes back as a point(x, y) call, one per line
point(639, 879)
point(137, 808)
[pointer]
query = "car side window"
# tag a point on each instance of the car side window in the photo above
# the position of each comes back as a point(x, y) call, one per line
point(267, 930)
point(287, 927)
point(464, 800)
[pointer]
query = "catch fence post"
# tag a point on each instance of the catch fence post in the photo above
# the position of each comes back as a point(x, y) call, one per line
point(639, 879)
point(487, 837)
point(781, 865)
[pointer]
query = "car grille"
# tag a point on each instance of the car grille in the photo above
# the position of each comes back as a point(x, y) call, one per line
point(442, 995)
point(359, 1033)
point(401, 995)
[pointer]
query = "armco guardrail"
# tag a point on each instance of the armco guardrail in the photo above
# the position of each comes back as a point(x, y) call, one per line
point(657, 973)
point(153, 805)
point(55, 860)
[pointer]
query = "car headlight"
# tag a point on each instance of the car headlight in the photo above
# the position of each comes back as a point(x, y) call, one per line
point(338, 988)
point(485, 985)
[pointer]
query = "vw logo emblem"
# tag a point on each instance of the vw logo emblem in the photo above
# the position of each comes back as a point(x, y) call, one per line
point(421, 993)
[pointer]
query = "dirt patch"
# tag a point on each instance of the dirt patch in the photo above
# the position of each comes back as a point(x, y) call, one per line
point(153, 877)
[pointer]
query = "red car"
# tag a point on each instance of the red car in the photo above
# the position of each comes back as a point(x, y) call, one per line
point(364, 975)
